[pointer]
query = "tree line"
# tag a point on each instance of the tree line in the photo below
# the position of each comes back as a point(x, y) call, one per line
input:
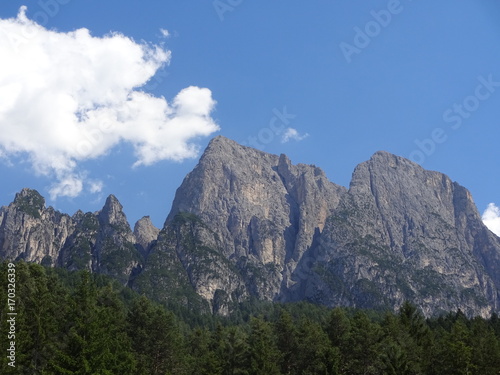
point(80, 323)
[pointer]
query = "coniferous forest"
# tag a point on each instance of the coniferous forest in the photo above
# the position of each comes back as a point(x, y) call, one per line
point(81, 323)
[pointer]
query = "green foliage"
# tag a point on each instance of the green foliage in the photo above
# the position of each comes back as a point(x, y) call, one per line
point(264, 352)
point(79, 323)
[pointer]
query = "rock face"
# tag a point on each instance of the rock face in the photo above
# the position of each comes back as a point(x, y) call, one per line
point(100, 242)
point(399, 233)
point(245, 223)
point(186, 263)
point(32, 232)
point(145, 234)
point(265, 210)
point(403, 233)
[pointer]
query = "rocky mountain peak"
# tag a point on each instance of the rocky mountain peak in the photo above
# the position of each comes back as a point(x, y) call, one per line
point(29, 193)
point(145, 233)
point(220, 142)
point(112, 213)
point(248, 223)
point(30, 201)
point(403, 232)
point(265, 209)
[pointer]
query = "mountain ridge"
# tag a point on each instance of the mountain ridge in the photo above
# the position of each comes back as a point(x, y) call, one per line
point(247, 223)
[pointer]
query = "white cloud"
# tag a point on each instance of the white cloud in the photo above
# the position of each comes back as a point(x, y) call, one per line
point(70, 97)
point(165, 33)
point(69, 185)
point(491, 218)
point(96, 186)
point(292, 134)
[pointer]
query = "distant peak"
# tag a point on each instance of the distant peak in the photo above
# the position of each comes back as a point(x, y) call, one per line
point(144, 221)
point(145, 232)
point(111, 200)
point(31, 196)
point(388, 159)
point(112, 211)
point(221, 147)
point(30, 201)
point(27, 192)
point(383, 155)
point(220, 143)
point(221, 139)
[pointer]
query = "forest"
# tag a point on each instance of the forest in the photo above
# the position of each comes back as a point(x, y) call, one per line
point(81, 323)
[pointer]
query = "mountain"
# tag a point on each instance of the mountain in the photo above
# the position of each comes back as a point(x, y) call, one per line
point(100, 242)
point(403, 233)
point(248, 224)
point(264, 210)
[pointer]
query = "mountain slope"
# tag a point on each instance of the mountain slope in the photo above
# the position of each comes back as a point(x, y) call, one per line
point(245, 223)
point(403, 233)
point(265, 210)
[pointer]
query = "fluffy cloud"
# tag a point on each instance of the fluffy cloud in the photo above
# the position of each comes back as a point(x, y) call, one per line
point(292, 134)
point(70, 97)
point(491, 218)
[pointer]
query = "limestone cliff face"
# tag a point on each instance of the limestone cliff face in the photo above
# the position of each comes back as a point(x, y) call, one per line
point(145, 234)
point(403, 233)
point(245, 223)
point(32, 232)
point(188, 259)
point(100, 242)
point(264, 209)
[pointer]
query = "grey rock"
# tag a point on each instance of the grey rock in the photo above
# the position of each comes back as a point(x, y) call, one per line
point(188, 258)
point(100, 242)
point(145, 234)
point(31, 232)
point(264, 209)
point(403, 233)
point(245, 223)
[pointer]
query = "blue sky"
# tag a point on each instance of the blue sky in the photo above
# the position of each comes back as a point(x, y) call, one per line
point(415, 78)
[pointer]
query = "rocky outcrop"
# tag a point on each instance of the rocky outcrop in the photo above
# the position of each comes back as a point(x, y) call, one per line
point(402, 233)
point(245, 223)
point(100, 242)
point(30, 231)
point(265, 210)
point(399, 233)
point(145, 234)
point(186, 258)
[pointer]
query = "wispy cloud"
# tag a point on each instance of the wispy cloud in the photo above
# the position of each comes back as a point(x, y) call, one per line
point(491, 218)
point(70, 97)
point(165, 33)
point(291, 134)
point(96, 186)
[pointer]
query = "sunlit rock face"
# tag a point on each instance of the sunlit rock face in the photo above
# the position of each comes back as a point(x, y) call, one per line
point(245, 223)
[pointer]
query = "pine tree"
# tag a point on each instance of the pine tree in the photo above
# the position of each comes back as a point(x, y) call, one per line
point(237, 352)
point(203, 357)
point(363, 354)
point(288, 343)
point(316, 354)
point(95, 342)
point(264, 354)
point(485, 348)
point(156, 340)
point(453, 354)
